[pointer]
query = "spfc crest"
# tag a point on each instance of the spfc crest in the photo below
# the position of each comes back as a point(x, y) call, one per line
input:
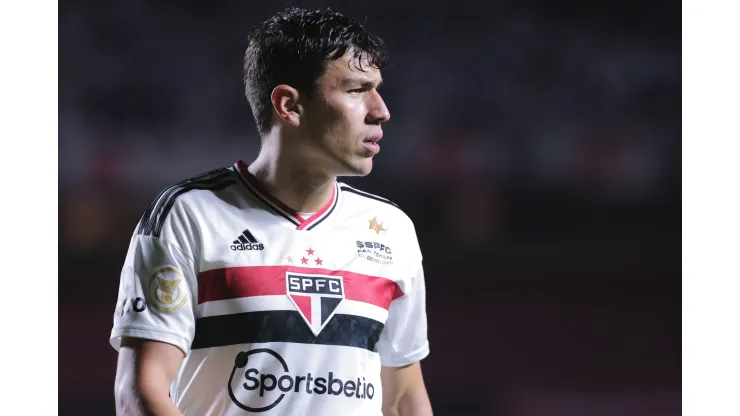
point(315, 296)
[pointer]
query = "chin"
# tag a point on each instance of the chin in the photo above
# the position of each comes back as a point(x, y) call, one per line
point(358, 167)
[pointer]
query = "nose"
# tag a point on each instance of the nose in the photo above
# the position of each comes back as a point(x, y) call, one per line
point(378, 111)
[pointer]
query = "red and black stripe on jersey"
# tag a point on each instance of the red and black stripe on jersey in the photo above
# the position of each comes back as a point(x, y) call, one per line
point(286, 325)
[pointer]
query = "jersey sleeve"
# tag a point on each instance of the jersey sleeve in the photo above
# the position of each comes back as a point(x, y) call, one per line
point(404, 340)
point(157, 288)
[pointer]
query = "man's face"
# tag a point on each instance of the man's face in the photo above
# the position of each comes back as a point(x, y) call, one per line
point(344, 118)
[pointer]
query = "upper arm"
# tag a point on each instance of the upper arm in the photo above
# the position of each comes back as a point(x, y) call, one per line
point(144, 374)
point(158, 285)
point(404, 391)
point(154, 320)
point(403, 340)
point(403, 344)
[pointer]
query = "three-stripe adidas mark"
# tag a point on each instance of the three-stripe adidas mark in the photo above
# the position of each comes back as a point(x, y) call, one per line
point(246, 241)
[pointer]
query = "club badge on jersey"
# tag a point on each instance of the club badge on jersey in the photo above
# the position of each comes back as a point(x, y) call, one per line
point(315, 296)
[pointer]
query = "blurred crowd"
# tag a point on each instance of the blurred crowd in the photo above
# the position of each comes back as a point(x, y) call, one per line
point(536, 145)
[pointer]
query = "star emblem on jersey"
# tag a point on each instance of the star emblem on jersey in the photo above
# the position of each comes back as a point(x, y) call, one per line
point(376, 226)
point(315, 296)
point(311, 252)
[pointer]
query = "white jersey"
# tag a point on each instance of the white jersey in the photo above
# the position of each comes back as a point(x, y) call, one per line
point(277, 314)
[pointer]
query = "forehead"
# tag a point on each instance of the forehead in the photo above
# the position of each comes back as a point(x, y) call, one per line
point(349, 69)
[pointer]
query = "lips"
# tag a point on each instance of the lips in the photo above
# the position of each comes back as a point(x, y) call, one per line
point(373, 139)
point(371, 143)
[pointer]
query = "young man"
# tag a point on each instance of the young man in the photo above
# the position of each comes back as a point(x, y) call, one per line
point(272, 288)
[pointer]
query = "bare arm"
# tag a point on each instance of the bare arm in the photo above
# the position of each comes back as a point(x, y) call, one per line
point(145, 372)
point(404, 392)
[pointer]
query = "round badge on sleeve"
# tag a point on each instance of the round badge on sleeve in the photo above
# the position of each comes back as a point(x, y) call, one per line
point(168, 289)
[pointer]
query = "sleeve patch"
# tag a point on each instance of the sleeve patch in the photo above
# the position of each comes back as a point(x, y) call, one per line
point(168, 289)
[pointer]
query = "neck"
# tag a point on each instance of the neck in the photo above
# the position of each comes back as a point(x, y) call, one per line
point(290, 178)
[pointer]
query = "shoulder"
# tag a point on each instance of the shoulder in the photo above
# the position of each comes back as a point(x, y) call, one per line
point(360, 197)
point(389, 223)
point(386, 209)
point(173, 203)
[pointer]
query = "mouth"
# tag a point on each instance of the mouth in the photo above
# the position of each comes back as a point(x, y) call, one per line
point(371, 143)
point(374, 138)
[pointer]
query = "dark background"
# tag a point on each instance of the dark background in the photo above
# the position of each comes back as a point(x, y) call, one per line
point(535, 144)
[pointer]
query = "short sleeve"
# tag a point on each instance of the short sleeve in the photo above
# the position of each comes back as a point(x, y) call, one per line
point(155, 296)
point(404, 340)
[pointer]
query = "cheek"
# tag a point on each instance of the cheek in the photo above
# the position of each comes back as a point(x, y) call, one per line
point(357, 110)
point(343, 121)
point(354, 115)
point(349, 107)
point(354, 105)
point(349, 117)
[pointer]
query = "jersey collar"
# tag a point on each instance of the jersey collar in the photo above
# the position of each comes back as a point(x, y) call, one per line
point(259, 192)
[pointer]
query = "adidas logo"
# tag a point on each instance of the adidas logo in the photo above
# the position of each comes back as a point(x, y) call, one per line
point(246, 241)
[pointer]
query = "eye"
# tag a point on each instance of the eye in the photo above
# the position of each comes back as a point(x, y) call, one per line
point(357, 91)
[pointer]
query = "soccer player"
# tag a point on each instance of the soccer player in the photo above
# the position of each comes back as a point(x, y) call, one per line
point(271, 287)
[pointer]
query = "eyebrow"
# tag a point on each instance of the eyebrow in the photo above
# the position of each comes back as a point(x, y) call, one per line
point(363, 83)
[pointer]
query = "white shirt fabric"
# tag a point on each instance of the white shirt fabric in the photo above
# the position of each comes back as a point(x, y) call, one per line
point(277, 314)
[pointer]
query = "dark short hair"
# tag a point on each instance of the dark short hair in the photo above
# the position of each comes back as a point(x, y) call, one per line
point(293, 47)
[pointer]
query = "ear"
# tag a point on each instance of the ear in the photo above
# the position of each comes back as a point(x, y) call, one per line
point(285, 102)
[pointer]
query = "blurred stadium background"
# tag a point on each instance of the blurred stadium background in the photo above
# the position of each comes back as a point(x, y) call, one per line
point(535, 144)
